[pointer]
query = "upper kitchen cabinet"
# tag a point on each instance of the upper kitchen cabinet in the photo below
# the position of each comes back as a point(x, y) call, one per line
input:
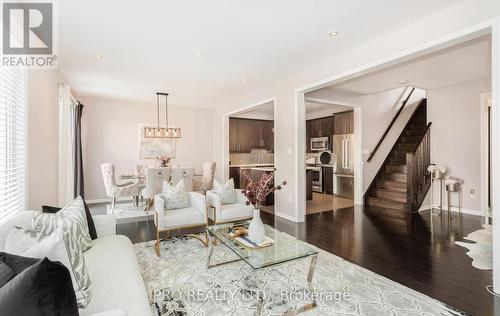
point(344, 123)
point(245, 134)
point(320, 127)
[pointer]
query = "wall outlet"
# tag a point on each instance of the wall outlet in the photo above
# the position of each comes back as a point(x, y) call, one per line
point(472, 193)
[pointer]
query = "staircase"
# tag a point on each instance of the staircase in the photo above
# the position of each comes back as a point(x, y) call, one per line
point(402, 182)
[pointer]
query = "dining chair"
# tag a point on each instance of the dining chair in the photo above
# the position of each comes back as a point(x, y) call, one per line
point(206, 181)
point(186, 174)
point(154, 181)
point(115, 190)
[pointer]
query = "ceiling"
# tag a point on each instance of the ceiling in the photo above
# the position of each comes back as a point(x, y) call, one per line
point(465, 62)
point(151, 46)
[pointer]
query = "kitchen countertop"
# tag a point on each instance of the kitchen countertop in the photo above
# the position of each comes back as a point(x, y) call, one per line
point(270, 169)
point(253, 165)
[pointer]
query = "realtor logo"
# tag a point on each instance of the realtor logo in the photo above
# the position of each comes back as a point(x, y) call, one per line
point(28, 34)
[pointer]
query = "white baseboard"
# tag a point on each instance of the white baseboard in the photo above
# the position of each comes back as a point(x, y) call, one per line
point(453, 209)
point(108, 200)
point(286, 216)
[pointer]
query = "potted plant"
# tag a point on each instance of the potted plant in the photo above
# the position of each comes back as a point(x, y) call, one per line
point(256, 192)
point(164, 160)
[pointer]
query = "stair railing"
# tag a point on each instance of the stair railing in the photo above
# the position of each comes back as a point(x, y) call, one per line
point(418, 179)
point(381, 140)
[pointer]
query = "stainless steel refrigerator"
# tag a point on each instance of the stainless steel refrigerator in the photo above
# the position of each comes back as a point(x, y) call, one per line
point(343, 165)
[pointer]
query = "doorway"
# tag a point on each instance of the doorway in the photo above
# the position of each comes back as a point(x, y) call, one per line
point(329, 155)
point(251, 146)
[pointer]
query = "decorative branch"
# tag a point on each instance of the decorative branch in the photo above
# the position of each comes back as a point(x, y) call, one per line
point(257, 191)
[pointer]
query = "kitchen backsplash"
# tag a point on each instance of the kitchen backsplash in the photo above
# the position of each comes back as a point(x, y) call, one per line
point(257, 156)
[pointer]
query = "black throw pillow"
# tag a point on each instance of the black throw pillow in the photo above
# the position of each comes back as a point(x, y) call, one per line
point(41, 287)
point(90, 221)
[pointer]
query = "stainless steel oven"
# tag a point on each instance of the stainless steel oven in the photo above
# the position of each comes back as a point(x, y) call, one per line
point(319, 143)
point(317, 178)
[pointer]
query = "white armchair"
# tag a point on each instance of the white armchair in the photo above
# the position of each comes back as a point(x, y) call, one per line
point(192, 216)
point(229, 212)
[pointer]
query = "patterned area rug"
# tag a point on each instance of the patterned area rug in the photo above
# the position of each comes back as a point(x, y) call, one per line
point(481, 248)
point(180, 284)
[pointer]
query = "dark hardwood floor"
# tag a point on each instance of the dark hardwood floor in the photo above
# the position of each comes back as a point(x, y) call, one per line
point(417, 251)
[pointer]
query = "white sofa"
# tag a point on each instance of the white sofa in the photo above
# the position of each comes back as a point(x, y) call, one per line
point(117, 287)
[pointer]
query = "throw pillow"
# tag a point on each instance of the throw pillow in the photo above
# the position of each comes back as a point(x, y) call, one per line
point(225, 192)
point(175, 197)
point(90, 221)
point(71, 219)
point(6, 273)
point(55, 247)
point(41, 287)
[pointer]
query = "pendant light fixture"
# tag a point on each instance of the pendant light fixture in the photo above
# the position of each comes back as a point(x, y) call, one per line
point(162, 132)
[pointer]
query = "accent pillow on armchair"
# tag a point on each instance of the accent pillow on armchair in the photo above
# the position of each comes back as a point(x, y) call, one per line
point(225, 192)
point(175, 197)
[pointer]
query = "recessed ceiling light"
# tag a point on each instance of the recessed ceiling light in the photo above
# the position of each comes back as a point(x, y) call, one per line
point(333, 33)
point(198, 53)
point(403, 82)
point(243, 81)
point(99, 56)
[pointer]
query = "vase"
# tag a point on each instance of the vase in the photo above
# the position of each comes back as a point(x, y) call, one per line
point(256, 229)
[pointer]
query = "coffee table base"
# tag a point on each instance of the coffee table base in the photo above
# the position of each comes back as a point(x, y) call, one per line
point(260, 300)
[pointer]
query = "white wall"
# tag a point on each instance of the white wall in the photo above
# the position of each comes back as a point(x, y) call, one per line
point(111, 134)
point(409, 38)
point(256, 115)
point(43, 137)
point(455, 113)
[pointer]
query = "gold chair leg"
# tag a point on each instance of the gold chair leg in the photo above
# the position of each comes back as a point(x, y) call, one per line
point(157, 244)
point(198, 237)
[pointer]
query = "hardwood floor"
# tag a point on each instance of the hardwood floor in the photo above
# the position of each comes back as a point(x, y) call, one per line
point(327, 202)
point(417, 251)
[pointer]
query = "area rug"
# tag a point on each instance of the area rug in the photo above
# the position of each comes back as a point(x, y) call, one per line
point(179, 283)
point(127, 213)
point(481, 248)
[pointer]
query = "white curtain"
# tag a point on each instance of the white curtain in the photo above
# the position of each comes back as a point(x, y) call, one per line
point(66, 152)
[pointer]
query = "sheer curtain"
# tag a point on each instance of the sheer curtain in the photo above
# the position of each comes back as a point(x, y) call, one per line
point(67, 107)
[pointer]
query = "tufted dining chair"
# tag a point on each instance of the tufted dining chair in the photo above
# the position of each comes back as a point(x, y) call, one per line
point(154, 181)
point(186, 174)
point(206, 181)
point(115, 190)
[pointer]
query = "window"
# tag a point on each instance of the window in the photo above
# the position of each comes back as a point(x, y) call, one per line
point(12, 142)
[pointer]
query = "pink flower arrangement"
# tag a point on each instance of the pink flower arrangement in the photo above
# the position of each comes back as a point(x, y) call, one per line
point(256, 191)
point(164, 160)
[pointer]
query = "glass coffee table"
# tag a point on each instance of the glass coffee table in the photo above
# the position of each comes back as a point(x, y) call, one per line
point(284, 249)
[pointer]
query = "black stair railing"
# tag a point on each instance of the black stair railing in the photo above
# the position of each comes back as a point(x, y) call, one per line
point(381, 140)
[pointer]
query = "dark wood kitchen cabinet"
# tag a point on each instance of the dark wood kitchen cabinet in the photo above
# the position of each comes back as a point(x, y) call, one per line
point(327, 180)
point(245, 134)
point(344, 123)
point(321, 127)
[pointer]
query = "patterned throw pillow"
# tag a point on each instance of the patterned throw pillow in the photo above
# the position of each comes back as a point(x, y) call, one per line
point(225, 192)
point(56, 247)
point(175, 197)
point(71, 219)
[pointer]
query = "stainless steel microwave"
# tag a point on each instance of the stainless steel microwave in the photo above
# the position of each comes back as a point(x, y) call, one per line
point(319, 143)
